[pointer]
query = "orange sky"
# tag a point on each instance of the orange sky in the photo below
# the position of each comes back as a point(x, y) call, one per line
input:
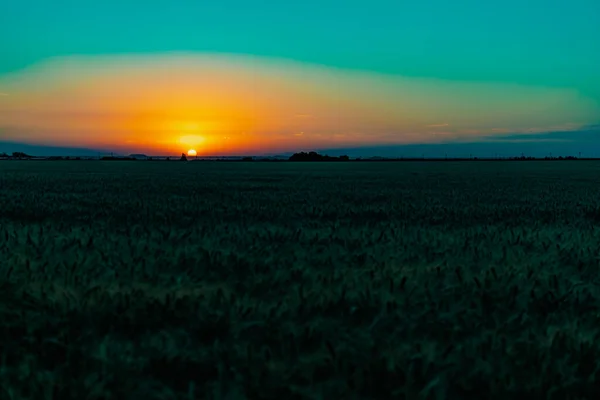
point(167, 104)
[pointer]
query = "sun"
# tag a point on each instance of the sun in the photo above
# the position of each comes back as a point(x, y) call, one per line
point(192, 153)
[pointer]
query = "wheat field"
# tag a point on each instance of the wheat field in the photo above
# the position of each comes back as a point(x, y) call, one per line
point(249, 280)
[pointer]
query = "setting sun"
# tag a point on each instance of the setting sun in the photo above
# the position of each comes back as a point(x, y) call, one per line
point(192, 153)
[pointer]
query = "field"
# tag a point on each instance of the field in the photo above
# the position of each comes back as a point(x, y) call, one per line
point(209, 280)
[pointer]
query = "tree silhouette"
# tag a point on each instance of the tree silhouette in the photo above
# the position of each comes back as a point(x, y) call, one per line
point(183, 157)
point(314, 156)
point(19, 154)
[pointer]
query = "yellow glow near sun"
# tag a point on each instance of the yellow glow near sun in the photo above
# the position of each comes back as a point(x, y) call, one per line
point(191, 140)
point(192, 153)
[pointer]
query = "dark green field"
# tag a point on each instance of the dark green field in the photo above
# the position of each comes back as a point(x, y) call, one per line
point(209, 280)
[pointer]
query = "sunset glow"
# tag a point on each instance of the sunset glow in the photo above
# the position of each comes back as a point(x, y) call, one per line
point(238, 105)
point(278, 77)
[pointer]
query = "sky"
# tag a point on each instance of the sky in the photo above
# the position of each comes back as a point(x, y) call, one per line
point(267, 77)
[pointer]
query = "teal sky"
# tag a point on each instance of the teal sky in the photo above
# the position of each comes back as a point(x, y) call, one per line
point(541, 43)
point(548, 42)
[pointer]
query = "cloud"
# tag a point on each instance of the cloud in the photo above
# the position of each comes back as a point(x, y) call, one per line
point(10, 147)
point(3, 94)
point(586, 133)
point(584, 141)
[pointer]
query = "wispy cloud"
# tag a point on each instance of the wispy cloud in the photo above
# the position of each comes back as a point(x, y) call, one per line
point(441, 133)
point(519, 140)
point(3, 94)
point(436, 125)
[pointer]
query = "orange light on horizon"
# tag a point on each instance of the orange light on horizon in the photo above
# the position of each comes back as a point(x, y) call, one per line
point(218, 105)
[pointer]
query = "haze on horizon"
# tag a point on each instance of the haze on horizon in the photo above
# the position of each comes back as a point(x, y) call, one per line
point(276, 77)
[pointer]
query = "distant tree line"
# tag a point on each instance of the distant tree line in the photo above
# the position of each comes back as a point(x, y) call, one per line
point(314, 156)
point(59, 158)
point(139, 158)
point(301, 156)
point(561, 158)
point(16, 154)
point(113, 158)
